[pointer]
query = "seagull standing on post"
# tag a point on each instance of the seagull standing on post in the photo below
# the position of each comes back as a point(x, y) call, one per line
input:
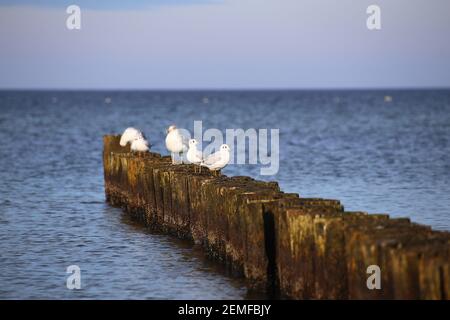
point(218, 160)
point(174, 142)
point(194, 155)
point(129, 135)
point(140, 145)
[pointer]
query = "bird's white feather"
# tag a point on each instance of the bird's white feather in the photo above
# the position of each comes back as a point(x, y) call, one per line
point(194, 155)
point(140, 145)
point(129, 135)
point(174, 142)
point(212, 158)
point(217, 160)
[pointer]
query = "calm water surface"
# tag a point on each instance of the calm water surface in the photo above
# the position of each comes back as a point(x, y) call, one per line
point(372, 155)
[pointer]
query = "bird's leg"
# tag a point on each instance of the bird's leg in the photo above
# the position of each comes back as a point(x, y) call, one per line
point(181, 157)
point(172, 155)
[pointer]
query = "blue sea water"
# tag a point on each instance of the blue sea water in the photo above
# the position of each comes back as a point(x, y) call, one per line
point(374, 155)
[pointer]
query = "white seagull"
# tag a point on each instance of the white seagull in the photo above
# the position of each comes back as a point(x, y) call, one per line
point(174, 142)
point(217, 160)
point(140, 145)
point(129, 135)
point(194, 155)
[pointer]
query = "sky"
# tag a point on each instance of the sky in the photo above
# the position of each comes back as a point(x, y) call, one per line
point(224, 44)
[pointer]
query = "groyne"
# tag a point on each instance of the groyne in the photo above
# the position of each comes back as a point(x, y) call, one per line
point(299, 248)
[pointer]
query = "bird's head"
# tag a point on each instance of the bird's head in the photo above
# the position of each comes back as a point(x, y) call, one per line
point(193, 143)
point(171, 128)
point(224, 148)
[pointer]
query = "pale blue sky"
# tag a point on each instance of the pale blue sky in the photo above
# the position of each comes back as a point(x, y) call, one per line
point(197, 44)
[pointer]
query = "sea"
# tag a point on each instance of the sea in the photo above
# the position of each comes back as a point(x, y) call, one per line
point(378, 151)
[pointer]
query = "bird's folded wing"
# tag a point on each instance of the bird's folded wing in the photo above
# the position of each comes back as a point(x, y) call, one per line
point(211, 159)
point(185, 142)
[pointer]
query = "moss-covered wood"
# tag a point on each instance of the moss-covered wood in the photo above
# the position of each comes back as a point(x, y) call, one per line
point(300, 248)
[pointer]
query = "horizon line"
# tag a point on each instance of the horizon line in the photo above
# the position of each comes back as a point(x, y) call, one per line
point(400, 88)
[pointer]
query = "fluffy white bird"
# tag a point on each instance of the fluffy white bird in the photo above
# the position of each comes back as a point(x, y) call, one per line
point(218, 160)
point(129, 135)
point(140, 144)
point(194, 155)
point(175, 142)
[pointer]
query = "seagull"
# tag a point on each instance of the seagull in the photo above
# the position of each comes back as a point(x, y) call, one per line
point(174, 142)
point(140, 145)
point(194, 155)
point(217, 160)
point(129, 135)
